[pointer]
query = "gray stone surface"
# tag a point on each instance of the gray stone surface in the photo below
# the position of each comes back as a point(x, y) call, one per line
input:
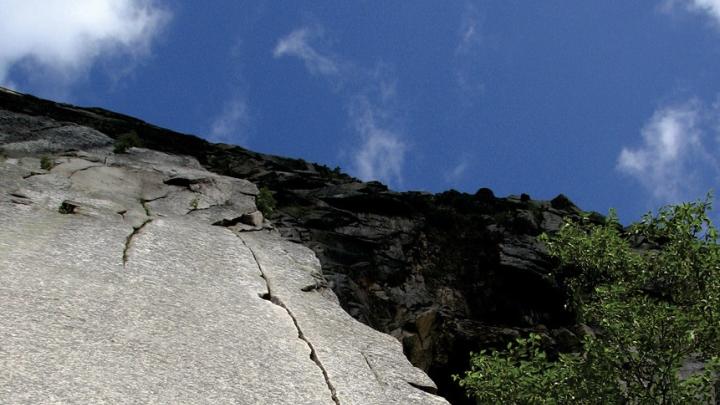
point(25, 134)
point(115, 287)
point(362, 365)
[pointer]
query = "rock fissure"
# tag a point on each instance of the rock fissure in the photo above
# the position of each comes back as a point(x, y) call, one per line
point(429, 390)
point(128, 241)
point(377, 376)
point(21, 200)
point(48, 128)
point(155, 199)
point(33, 174)
point(83, 169)
point(144, 202)
point(275, 300)
point(228, 222)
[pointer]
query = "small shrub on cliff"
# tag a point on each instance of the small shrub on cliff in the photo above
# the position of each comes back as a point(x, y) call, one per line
point(46, 163)
point(653, 311)
point(266, 202)
point(127, 141)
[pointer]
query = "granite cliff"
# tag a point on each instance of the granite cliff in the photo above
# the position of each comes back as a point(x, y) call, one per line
point(443, 274)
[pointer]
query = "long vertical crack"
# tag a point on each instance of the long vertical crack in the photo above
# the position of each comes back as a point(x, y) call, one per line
point(129, 240)
point(275, 300)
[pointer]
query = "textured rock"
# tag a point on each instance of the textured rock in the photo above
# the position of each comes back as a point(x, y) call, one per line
point(445, 274)
point(116, 287)
point(362, 365)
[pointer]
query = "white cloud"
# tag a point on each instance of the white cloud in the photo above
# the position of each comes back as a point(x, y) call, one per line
point(231, 125)
point(382, 153)
point(381, 157)
point(712, 7)
point(297, 44)
point(65, 37)
point(673, 163)
point(368, 96)
point(709, 7)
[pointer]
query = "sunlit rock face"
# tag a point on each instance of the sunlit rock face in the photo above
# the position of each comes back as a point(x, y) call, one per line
point(443, 274)
point(142, 277)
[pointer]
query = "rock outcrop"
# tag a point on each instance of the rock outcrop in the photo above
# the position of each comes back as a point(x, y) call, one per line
point(444, 274)
point(144, 278)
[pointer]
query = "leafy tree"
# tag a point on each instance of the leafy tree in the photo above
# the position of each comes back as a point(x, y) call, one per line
point(654, 309)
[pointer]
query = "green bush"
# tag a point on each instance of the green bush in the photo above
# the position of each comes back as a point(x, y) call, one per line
point(266, 202)
point(46, 163)
point(127, 141)
point(194, 203)
point(652, 309)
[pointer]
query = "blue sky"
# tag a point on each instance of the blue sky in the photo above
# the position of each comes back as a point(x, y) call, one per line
point(613, 103)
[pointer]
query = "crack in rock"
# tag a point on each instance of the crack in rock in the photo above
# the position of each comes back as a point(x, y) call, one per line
point(83, 169)
point(182, 182)
point(429, 390)
point(22, 201)
point(377, 376)
point(35, 173)
point(48, 128)
point(144, 202)
point(129, 239)
point(275, 300)
point(319, 283)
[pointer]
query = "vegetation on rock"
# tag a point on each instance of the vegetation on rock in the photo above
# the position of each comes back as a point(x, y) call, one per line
point(650, 293)
point(266, 202)
point(127, 141)
point(46, 163)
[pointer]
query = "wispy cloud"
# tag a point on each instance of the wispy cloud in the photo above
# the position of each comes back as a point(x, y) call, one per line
point(469, 34)
point(65, 38)
point(711, 7)
point(458, 171)
point(231, 125)
point(673, 162)
point(467, 52)
point(382, 153)
point(368, 96)
point(297, 44)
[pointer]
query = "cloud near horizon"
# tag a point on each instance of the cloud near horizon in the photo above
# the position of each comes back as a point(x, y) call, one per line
point(456, 173)
point(231, 124)
point(676, 160)
point(381, 154)
point(67, 37)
